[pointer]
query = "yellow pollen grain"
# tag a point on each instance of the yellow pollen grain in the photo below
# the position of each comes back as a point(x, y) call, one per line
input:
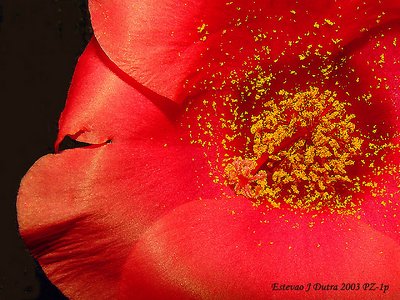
point(329, 22)
point(337, 41)
point(201, 28)
point(381, 59)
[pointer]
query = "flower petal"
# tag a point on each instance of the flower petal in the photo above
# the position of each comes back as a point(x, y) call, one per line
point(228, 250)
point(82, 211)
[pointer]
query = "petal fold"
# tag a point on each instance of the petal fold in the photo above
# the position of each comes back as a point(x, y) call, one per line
point(104, 104)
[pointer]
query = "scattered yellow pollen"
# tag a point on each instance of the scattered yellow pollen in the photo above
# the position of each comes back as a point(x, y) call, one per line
point(202, 30)
point(301, 147)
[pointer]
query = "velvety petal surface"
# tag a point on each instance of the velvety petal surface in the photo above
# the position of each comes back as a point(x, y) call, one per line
point(125, 216)
point(228, 250)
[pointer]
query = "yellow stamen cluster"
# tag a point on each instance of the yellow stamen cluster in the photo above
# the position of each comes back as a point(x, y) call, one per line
point(302, 147)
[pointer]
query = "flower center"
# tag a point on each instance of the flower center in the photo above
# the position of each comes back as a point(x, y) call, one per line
point(284, 120)
point(298, 149)
point(302, 147)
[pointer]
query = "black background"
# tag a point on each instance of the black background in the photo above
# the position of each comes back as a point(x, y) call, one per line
point(40, 41)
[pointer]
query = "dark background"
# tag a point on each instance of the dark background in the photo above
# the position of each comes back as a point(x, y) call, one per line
point(40, 41)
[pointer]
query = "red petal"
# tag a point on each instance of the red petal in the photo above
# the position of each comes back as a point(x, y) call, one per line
point(151, 41)
point(104, 104)
point(226, 250)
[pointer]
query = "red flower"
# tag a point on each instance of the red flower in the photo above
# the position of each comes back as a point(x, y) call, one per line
point(240, 149)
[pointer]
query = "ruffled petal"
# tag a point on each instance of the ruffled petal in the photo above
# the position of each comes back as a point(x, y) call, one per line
point(228, 250)
point(163, 44)
point(81, 211)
